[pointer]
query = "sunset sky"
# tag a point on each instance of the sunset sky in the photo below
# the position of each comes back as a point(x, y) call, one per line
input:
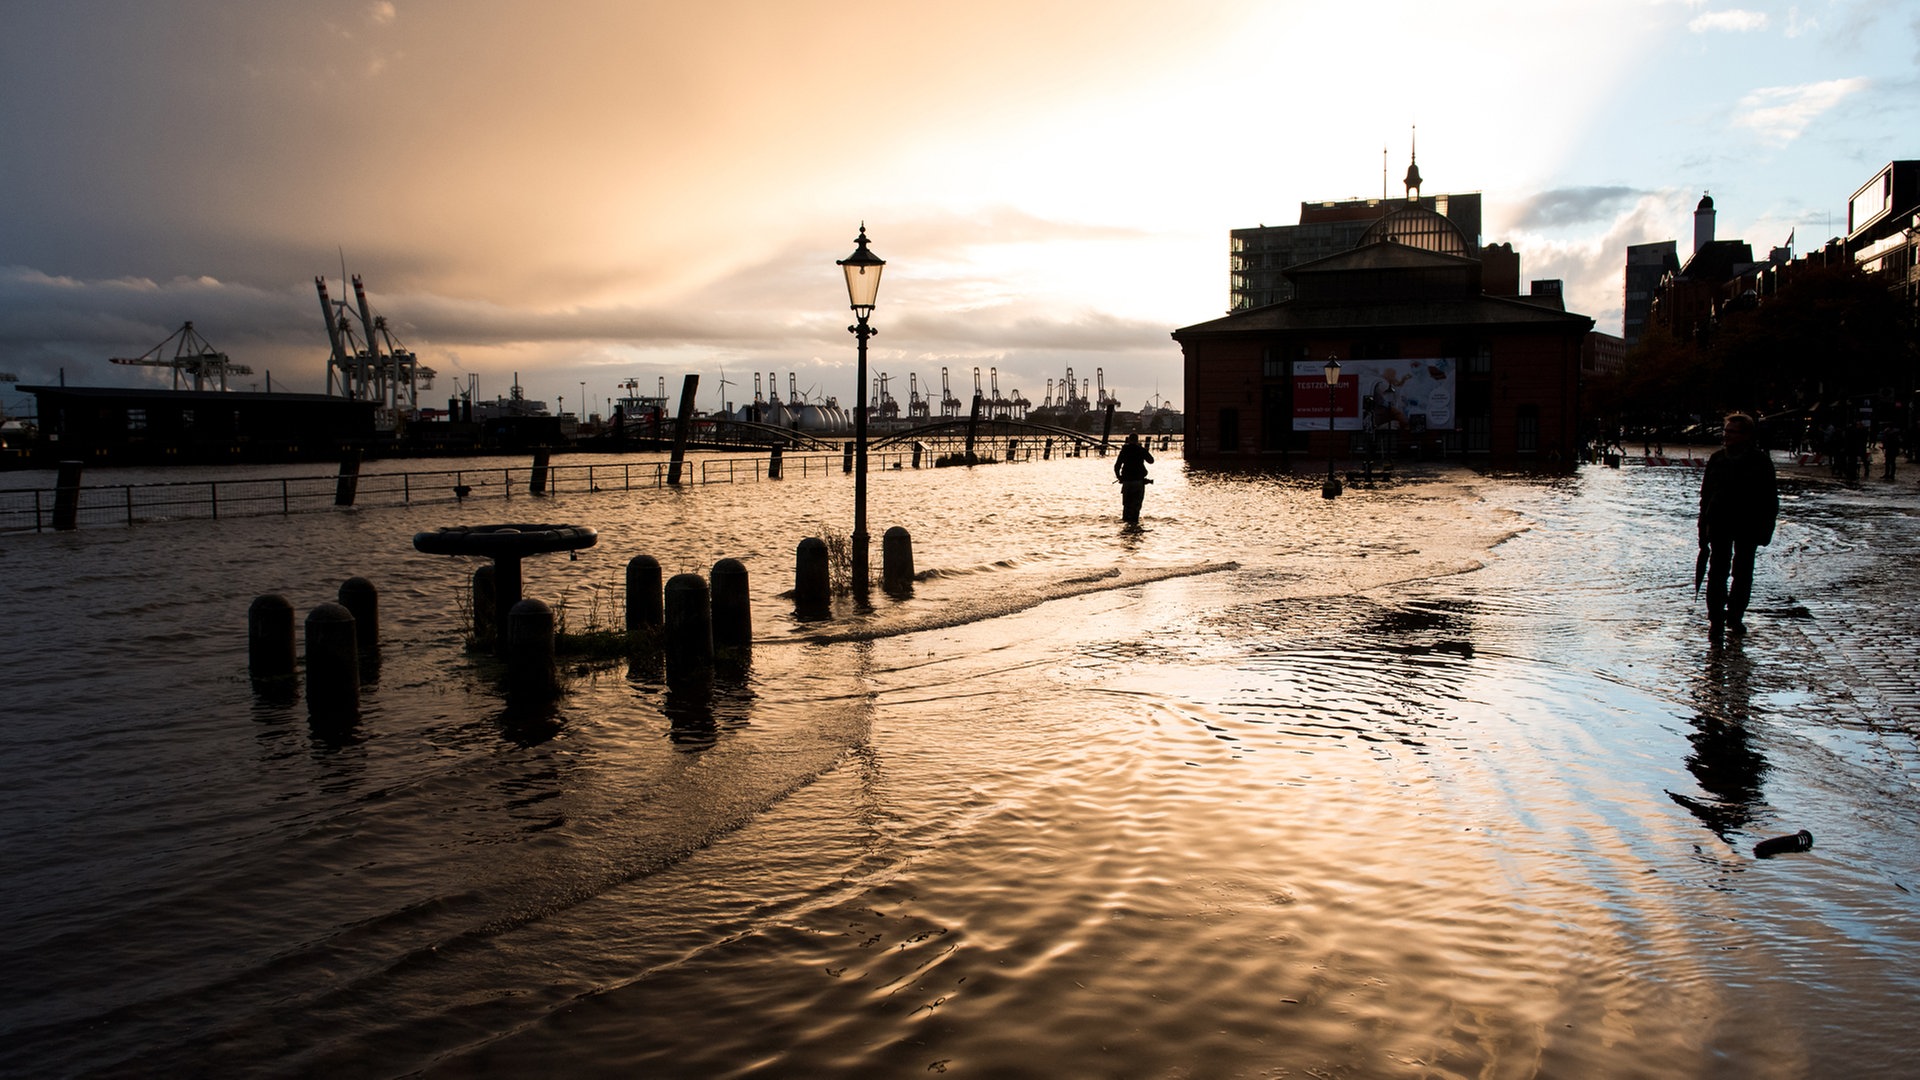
point(587, 191)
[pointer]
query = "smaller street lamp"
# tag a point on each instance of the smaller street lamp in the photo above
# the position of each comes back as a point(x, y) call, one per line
point(1331, 488)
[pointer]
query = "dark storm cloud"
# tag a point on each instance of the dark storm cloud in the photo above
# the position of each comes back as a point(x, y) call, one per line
point(1573, 206)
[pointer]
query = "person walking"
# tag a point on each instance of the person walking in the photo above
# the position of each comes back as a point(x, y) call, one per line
point(1890, 448)
point(1130, 469)
point(1739, 505)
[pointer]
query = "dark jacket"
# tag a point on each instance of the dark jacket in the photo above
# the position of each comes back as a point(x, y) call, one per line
point(1738, 497)
point(1132, 462)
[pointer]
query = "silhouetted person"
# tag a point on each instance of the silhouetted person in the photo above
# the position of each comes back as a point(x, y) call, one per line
point(1739, 503)
point(1130, 468)
point(1890, 448)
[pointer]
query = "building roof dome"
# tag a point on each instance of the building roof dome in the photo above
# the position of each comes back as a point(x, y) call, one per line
point(1706, 202)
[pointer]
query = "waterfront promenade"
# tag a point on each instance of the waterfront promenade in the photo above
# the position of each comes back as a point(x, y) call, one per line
point(1439, 778)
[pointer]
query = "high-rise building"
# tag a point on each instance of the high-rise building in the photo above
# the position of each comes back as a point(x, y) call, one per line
point(1646, 265)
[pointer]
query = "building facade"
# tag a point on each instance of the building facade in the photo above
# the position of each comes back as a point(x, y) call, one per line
point(1432, 362)
point(1883, 228)
point(1646, 265)
point(1258, 258)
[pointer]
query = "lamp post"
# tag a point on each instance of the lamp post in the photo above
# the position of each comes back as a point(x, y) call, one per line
point(1332, 487)
point(863, 284)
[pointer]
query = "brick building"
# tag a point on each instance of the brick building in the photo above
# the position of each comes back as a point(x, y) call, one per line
point(1439, 355)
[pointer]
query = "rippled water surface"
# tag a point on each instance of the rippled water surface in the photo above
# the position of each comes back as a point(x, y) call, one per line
point(1440, 778)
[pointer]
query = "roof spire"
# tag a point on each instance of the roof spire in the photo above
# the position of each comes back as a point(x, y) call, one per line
point(1413, 169)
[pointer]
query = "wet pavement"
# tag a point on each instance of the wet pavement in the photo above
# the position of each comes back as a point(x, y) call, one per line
point(1441, 778)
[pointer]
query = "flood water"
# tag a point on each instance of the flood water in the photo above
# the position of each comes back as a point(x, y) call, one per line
point(1438, 779)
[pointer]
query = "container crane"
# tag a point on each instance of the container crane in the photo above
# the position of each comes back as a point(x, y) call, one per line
point(191, 356)
point(949, 405)
point(917, 406)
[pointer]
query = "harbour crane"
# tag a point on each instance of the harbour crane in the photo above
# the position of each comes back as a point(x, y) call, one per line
point(191, 356)
point(997, 406)
point(917, 406)
point(949, 405)
point(392, 376)
point(1104, 399)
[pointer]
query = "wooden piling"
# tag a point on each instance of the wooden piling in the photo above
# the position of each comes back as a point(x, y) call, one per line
point(66, 496)
point(537, 482)
point(347, 484)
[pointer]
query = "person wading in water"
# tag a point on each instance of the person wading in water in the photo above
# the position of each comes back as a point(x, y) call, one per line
point(1130, 468)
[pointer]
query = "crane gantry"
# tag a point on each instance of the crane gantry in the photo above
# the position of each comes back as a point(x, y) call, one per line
point(192, 355)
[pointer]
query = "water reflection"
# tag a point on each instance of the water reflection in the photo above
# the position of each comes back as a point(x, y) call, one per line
point(1724, 759)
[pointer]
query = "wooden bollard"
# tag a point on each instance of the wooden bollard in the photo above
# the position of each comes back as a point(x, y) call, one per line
point(689, 636)
point(773, 464)
point(896, 561)
point(732, 607)
point(1046, 451)
point(531, 673)
point(484, 615)
point(66, 496)
point(643, 592)
point(333, 664)
point(358, 595)
point(537, 483)
point(347, 484)
point(918, 449)
point(846, 458)
point(812, 581)
point(270, 639)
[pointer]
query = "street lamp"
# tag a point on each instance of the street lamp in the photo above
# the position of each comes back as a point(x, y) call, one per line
point(863, 284)
point(1332, 487)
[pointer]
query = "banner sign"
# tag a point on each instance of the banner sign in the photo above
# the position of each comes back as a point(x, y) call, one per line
point(1375, 395)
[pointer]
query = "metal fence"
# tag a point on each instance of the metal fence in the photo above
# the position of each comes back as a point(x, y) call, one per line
point(32, 509)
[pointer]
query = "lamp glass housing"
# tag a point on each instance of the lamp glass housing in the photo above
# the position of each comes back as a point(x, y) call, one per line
point(1333, 371)
point(863, 275)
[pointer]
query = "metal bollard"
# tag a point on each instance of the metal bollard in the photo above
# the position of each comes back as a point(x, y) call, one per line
point(732, 606)
point(66, 496)
point(773, 465)
point(483, 606)
point(333, 664)
point(358, 595)
point(270, 639)
point(531, 673)
point(643, 592)
point(896, 561)
point(812, 582)
point(846, 459)
point(689, 644)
